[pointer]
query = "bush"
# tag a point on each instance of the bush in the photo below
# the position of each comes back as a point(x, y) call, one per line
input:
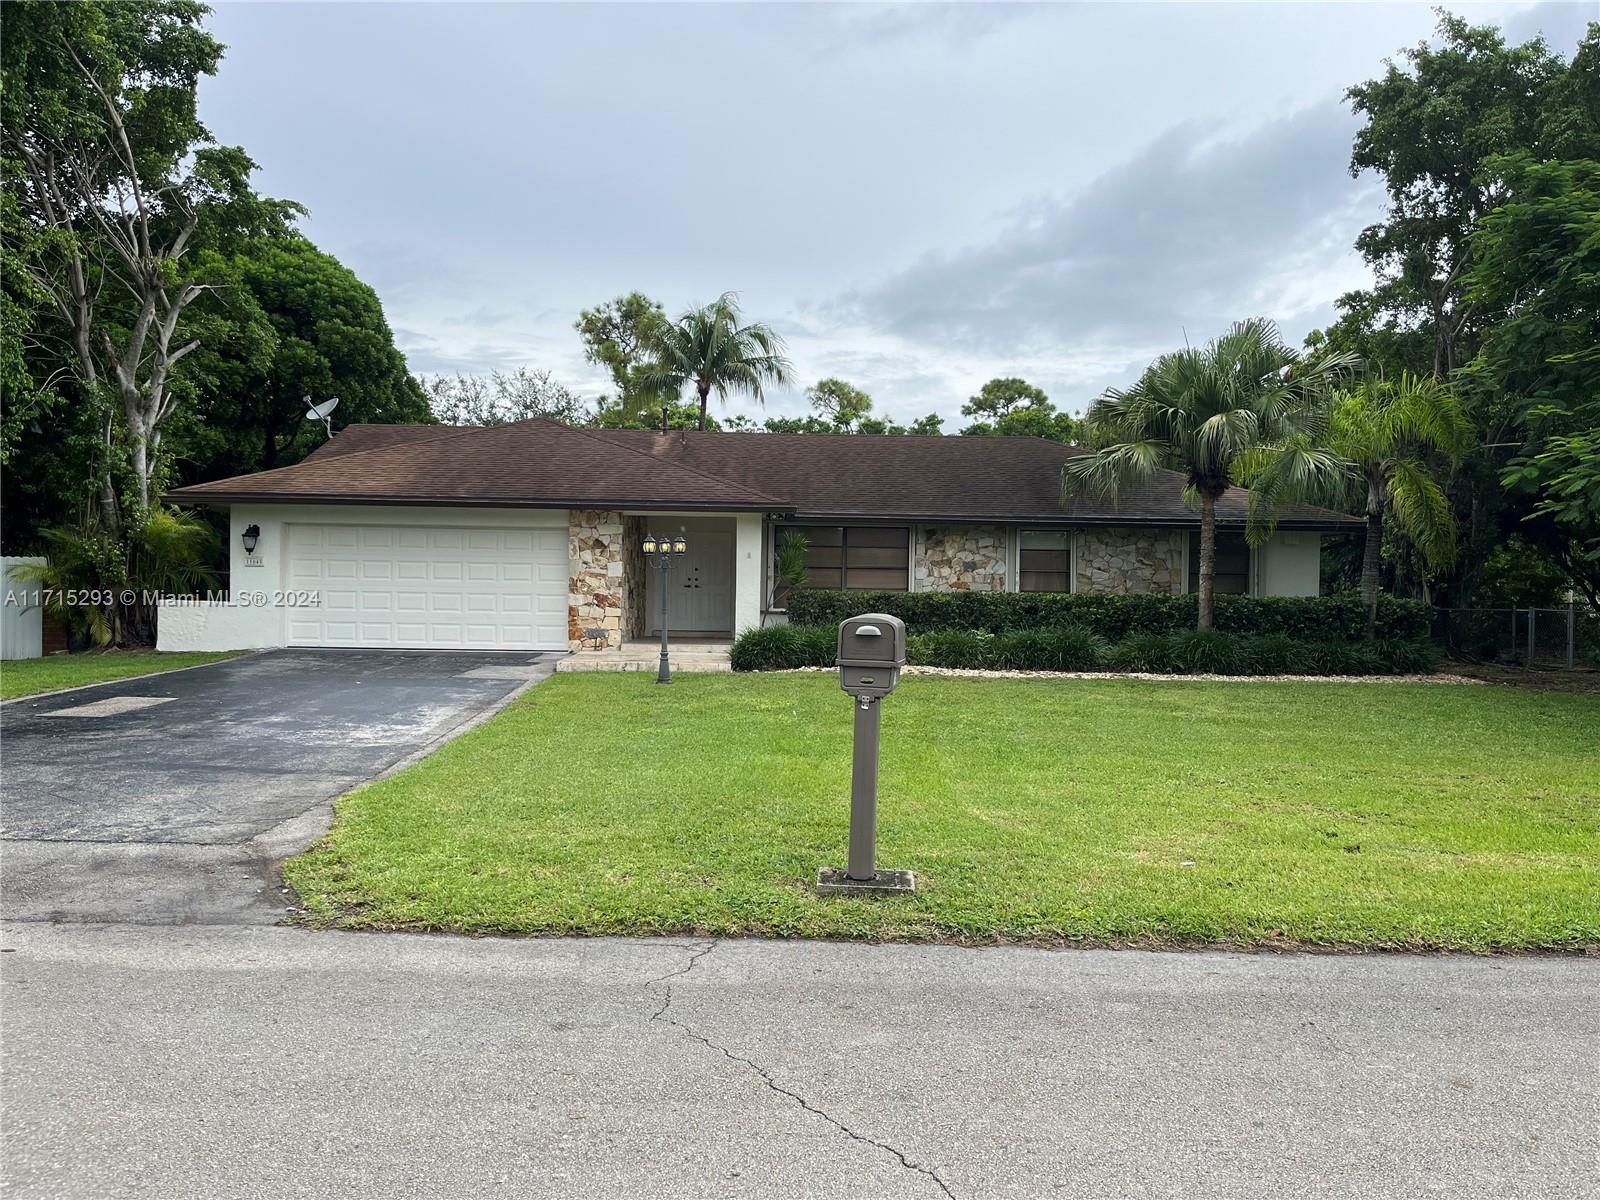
point(1116, 618)
point(784, 647)
point(1150, 653)
point(1207, 653)
point(1069, 648)
point(967, 648)
point(1074, 648)
point(1415, 656)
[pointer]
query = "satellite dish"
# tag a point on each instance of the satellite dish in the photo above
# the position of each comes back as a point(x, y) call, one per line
point(320, 412)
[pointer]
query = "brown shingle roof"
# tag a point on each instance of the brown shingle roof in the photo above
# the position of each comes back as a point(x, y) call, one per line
point(535, 464)
point(937, 478)
point(354, 438)
point(541, 463)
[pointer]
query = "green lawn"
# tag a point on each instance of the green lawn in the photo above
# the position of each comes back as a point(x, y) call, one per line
point(30, 676)
point(1038, 810)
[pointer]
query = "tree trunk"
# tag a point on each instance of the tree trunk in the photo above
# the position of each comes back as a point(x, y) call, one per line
point(1372, 552)
point(705, 391)
point(1208, 562)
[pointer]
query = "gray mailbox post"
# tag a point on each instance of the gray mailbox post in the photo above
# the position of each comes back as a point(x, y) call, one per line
point(872, 649)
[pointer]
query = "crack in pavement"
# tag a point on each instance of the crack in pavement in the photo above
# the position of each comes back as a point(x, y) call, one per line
point(660, 1014)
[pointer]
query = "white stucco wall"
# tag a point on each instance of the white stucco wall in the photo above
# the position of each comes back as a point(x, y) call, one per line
point(749, 571)
point(1289, 564)
point(21, 628)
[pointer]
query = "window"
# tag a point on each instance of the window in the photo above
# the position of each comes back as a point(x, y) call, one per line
point(861, 557)
point(1044, 561)
point(1233, 564)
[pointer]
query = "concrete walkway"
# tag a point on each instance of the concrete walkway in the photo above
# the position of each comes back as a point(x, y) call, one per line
point(243, 1062)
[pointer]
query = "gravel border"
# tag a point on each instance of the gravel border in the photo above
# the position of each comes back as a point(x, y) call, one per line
point(966, 673)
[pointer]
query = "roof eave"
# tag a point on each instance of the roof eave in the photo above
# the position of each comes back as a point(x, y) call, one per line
point(223, 499)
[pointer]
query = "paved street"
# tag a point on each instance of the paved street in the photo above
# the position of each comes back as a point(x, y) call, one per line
point(172, 797)
point(246, 1061)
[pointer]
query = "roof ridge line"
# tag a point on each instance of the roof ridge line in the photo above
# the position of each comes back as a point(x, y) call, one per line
point(733, 483)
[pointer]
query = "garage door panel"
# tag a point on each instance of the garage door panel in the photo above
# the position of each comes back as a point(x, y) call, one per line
point(418, 587)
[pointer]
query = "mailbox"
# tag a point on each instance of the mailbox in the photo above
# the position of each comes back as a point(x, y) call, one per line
point(872, 649)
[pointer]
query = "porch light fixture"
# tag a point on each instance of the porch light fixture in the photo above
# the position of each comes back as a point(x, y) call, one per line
point(251, 537)
point(662, 551)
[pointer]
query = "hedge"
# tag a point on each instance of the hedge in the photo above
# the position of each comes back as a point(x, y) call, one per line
point(1116, 618)
point(1075, 648)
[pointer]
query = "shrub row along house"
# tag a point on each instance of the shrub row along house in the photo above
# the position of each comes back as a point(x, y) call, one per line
point(528, 536)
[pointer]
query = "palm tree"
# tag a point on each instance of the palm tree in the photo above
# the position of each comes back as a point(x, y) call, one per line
point(709, 348)
point(1384, 433)
point(1201, 410)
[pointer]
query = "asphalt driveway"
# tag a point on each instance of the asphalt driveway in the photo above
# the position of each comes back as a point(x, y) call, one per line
point(171, 798)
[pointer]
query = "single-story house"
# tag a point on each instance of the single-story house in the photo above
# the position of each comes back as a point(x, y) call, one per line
point(528, 536)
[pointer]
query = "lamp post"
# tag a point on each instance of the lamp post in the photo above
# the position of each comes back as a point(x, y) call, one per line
point(661, 552)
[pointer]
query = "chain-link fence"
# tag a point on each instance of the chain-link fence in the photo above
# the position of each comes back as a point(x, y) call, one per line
point(1537, 637)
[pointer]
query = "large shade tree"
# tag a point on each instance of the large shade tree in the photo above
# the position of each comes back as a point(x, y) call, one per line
point(1201, 411)
point(712, 349)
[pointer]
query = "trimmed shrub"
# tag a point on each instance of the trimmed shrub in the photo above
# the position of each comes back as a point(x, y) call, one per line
point(1208, 653)
point(1074, 648)
point(1147, 652)
point(1416, 656)
point(784, 647)
point(965, 648)
point(1069, 648)
point(1116, 618)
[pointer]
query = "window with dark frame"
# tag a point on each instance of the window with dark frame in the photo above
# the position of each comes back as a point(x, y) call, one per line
point(872, 558)
point(1233, 564)
point(1044, 561)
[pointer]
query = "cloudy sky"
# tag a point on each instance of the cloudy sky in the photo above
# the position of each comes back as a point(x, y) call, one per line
point(918, 197)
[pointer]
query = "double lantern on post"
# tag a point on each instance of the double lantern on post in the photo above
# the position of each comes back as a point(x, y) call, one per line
point(661, 552)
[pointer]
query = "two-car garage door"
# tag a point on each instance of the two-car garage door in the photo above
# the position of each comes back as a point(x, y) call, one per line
point(402, 587)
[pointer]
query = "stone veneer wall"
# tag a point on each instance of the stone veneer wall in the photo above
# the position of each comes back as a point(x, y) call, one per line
point(634, 576)
point(1131, 561)
point(598, 592)
point(960, 558)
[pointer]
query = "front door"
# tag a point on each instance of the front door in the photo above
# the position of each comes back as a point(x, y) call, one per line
point(699, 586)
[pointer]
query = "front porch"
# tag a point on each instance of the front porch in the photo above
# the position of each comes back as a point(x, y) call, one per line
point(692, 654)
point(712, 590)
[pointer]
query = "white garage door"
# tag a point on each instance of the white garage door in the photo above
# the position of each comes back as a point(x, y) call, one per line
point(421, 588)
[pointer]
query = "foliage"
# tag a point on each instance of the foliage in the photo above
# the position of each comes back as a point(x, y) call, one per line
point(1114, 617)
point(784, 648)
point(1079, 648)
point(710, 349)
point(502, 397)
point(292, 325)
point(1537, 258)
point(1015, 408)
point(1433, 123)
point(132, 207)
point(1059, 648)
point(1386, 437)
point(1205, 651)
point(613, 414)
point(1206, 411)
point(1001, 397)
point(1486, 151)
point(167, 553)
point(789, 565)
point(617, 335)
point(840, 404)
